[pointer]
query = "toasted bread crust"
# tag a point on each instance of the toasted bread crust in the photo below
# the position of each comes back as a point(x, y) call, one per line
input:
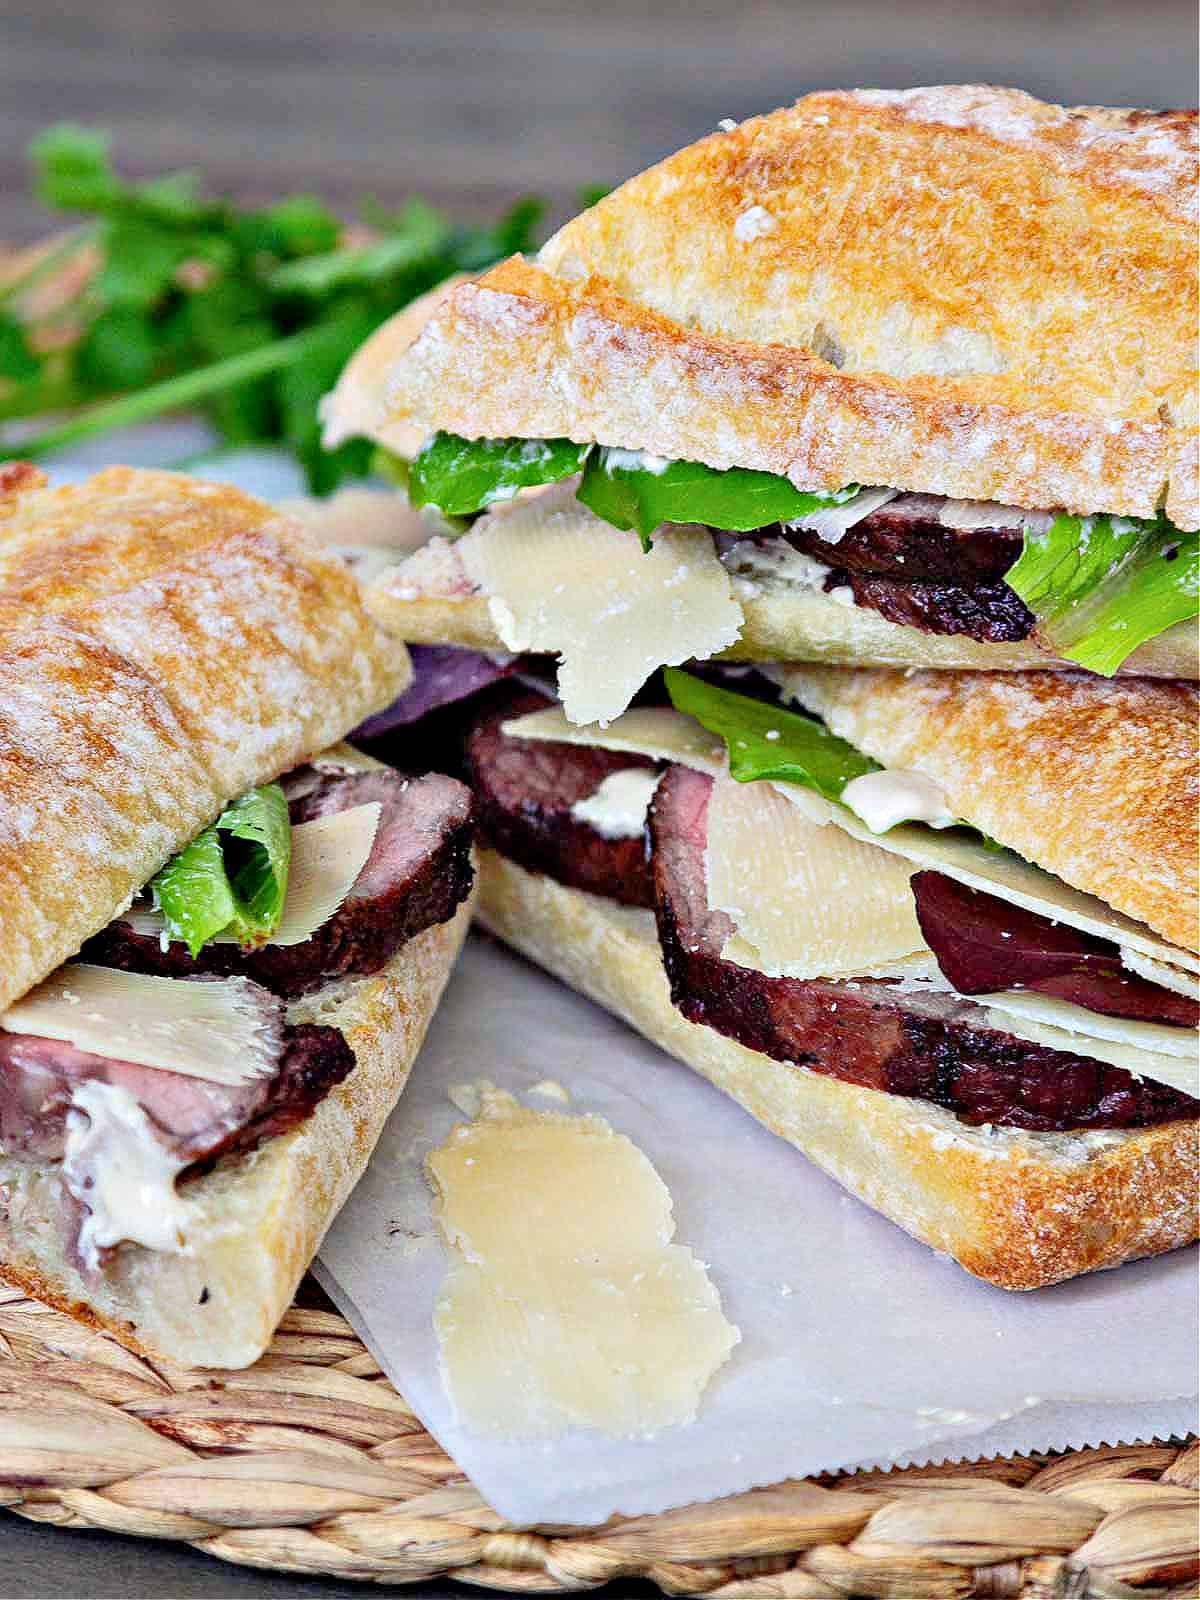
point(1019, 1210)
point(264, 1213)
point(1096, 780)
point(958, 291)
point(165, 644)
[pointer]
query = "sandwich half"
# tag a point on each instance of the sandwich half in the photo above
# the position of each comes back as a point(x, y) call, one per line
point(936, 929)
point(222, 932)
point(882, 378)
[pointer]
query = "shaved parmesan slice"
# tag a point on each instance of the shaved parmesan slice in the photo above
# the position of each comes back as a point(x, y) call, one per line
point(999, 872)
point(345, 758)
point(655, 731)
point(559, 579)
point(1158, 972)
point(1158, 1037)
point(671, 736)
point(807, 900)
point(226, 1030)
point(970, 514)
point(1181, 1072)
point(328, 854)
point(835, 521)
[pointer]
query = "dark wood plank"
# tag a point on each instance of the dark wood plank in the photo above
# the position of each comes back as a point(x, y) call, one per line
point(473, 103)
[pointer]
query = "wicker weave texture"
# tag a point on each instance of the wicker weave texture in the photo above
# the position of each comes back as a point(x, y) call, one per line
point(310, 1462)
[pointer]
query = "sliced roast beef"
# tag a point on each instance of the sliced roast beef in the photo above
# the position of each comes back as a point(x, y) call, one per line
point(989, 612)
point(906, 538)
point(984, 944)
point(524, 791)
point(925, 1046)
point(196, 1120)
point(915, 569)
point(418, 873)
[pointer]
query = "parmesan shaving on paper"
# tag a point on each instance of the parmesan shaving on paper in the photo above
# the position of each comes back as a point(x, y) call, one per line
point(226, 1030)
point(808, 901)
point(561, 580)
point(328, 854)
point(565, 1302)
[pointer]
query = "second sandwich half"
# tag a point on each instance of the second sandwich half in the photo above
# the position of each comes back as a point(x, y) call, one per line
point(222, 932)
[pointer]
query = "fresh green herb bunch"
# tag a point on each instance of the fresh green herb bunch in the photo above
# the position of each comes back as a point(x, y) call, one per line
point(186, 300)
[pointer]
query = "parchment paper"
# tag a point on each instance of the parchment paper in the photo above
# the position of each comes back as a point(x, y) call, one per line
point(858, 1344)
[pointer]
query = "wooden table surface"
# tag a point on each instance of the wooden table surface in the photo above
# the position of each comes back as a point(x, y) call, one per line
point(473, 103)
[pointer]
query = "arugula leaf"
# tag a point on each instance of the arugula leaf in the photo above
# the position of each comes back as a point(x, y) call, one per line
point(1101, 586)
point(632, 491)
point(461, 476)
point(626, 488)
point(766, 741)
point(234, 884)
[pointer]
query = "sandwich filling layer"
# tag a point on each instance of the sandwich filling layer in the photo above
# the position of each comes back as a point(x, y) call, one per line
point(124, 1132)
point(557, 578)
point(900, 1021)
point(1088, 589)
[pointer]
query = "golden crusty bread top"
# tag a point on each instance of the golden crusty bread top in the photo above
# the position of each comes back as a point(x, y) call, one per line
point(1095, 780)
point(957, 290)
point(165, 644)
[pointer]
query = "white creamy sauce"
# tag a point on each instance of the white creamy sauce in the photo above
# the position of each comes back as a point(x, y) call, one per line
point(617, 810)
point(882, 799)
point(636, 461)
point(774, 559)
point(116, 1166)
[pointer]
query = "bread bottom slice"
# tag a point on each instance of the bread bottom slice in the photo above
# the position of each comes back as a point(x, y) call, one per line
point(1018, 1209)
point(786, 623)
point(262, 1215)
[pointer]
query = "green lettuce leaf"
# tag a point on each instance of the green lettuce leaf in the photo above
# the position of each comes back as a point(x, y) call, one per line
point(767, 741)
point(233, 877)
point(621, 487)
point(461, 476)
point(1101, 586)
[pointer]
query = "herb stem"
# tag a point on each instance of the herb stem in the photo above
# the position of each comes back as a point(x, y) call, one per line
point(172, 395)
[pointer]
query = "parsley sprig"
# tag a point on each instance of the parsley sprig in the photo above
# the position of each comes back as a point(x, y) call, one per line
point(179, 298)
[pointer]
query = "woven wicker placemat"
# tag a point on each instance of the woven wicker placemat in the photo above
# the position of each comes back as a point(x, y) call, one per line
point(310, 1462)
